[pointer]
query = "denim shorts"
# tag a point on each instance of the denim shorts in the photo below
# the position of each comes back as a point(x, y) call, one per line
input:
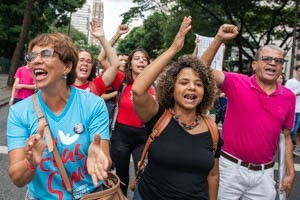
point(137, 195)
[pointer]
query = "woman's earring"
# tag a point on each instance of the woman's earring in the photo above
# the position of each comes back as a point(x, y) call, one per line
point(65, 76)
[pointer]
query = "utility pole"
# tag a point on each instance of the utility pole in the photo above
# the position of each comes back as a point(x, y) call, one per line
point(294, 40)
point(69, 27)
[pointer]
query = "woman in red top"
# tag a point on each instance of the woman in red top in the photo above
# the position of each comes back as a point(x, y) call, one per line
point(85, 71)
point(129, 135)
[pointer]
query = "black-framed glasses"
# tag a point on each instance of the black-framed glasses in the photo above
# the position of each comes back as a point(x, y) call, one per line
point(45, 54)
point(269, 59)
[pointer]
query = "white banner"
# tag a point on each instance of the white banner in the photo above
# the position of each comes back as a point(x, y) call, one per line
point(204, 42)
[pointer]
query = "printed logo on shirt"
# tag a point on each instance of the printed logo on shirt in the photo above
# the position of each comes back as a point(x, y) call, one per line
point(66, 138)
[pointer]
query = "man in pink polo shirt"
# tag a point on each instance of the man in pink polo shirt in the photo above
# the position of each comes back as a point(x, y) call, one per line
point(258, 110)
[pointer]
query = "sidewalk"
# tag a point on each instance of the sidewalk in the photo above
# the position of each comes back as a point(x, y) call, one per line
point(4, 93)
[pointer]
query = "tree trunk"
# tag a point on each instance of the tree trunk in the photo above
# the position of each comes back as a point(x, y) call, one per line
point(15, 61)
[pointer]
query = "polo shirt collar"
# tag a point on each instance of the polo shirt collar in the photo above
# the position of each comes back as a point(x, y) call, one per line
point(254, 85)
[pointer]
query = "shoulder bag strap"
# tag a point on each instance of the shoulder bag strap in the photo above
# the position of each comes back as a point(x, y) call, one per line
point(51, 145)
point(160, 125)
point(213, 129)
point(120, 92)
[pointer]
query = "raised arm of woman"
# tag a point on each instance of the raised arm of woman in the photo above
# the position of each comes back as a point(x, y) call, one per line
point(122, 29)
point(110, 73)
point(144, 104)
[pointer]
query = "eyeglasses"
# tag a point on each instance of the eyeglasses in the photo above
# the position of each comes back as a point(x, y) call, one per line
point(45, 54)
point(269, 59)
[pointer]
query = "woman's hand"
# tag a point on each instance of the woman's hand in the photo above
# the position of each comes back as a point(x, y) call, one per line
point(19, 86)
point(183, 30)
point(11, 101)
point(122, 29)
point(97, 162)
point(34, 146)
point(97, 29)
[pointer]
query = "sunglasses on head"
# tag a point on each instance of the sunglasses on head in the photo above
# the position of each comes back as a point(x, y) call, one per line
point(45, 54)
point(269, 59)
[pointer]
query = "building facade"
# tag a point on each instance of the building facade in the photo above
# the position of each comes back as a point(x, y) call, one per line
point(91, 10)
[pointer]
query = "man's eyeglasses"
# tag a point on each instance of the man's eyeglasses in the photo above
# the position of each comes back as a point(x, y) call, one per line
point(45, 54)
point(269, 59)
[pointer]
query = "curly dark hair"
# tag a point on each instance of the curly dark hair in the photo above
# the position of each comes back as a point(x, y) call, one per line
point(166, 82)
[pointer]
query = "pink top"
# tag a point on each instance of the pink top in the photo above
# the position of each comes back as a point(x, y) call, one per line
point(25, 77)
point(254, 120)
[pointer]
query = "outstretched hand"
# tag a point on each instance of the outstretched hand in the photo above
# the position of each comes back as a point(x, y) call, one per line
point(183, 30)
point(34, 146)
point(97, 162)
point(97, 29)
point(227, 32)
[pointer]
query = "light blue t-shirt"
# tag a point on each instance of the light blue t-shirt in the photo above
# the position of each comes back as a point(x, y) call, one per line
point(73, 130)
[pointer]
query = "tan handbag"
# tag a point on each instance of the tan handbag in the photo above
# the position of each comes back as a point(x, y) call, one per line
point(111, 190)
point(157, 130)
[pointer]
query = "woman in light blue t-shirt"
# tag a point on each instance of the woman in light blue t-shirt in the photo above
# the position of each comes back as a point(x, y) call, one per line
point(75, 117)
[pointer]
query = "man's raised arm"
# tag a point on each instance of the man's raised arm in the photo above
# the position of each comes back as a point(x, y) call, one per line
point(225, 32)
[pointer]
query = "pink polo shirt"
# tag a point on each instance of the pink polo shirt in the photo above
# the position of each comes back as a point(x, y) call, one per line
point(254, 119)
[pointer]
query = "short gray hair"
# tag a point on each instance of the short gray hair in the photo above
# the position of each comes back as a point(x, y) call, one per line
point(268, 46)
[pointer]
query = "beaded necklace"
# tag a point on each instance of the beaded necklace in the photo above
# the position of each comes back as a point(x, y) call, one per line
point(184, 125)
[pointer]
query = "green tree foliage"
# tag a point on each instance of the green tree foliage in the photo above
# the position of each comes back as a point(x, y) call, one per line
point(78, 37)
point(156, 34)
point(131, 41)
point(80, 40)
point(44, 14)
point(149, 36)
point(260, 22)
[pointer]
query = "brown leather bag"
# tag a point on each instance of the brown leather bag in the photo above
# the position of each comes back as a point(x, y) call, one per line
point(157, 130)
point(111, 190)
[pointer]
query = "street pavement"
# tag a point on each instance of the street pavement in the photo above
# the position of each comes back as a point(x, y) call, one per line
point(4, 93)
point(9, 191)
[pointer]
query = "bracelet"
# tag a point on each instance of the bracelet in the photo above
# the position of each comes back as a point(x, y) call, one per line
point(28, 165)
point(114, 39)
